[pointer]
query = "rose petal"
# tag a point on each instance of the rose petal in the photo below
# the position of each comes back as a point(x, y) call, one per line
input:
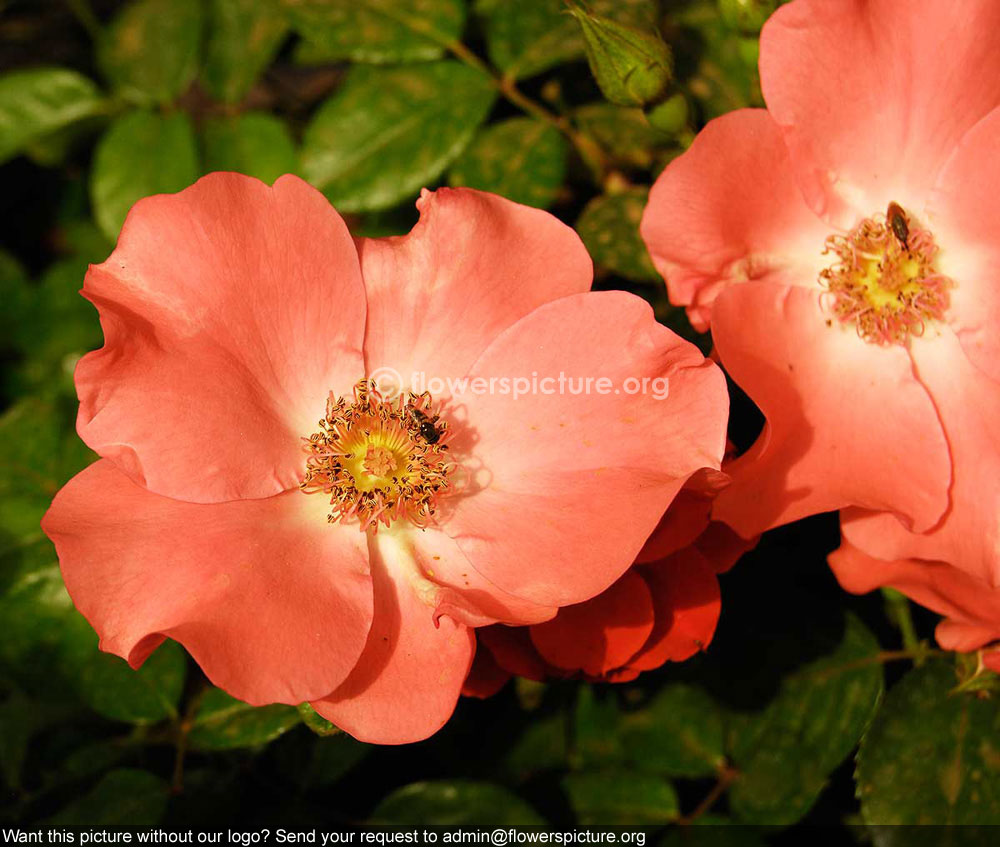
point(485, 677)
point(847, 421)
point(272, 602)
point(681, 524)
point(730, 210)
point(455, 588)
point(971, 607)
point(965, 216)
point(602, 633)
point(230, 310)
point(687, 601)
point(968, 536)
point(513, 650)
point(565, 487)
point(474, 264)
point(409, 677)
point(870, 104)
point(722, 547)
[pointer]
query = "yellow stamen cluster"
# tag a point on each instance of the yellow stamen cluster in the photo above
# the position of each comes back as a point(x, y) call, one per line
point(884, 280)
point(375, 461)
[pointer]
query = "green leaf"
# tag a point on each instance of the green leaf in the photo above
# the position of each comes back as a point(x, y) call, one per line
point(56, 148)
point(149, 53)
point(312, 761)
point(37, 614)
point(111, 688)
point(17, 722)
point(523, 159)
point(142, 153)
point(931, 756)
point(526, 37)
point(244, 37)
point(633, 66)
point(224, 723)
point(540, 746)
point(49, 646)
point(623, 132)
point(786, 751)
point(332, 758)
point(377, 31)
point(609, 227)
point(621, 797)
point(454, 802)
point(726, 76)
point(253, 143)
point(597, 729)
point(39, 451)
point(61, 325)
point(15, 293)
point(746, 15)
point(85, 763)
point(124, 797)
point(316, 722)
point(670, 116)
point(39, 101)
point(390, 131)
point(679, 733)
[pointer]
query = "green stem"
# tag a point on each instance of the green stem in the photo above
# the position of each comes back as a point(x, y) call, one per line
point(898, 609)
point(591, 153)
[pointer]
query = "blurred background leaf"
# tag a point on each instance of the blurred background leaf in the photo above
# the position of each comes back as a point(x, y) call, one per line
point(222, 722)
point(523, 159)
point(37, 101)
point(389, 131)
point(124, 797)
point(621, 797)
point(527, 37)
point(142, 153)
point(609, 227)
point(149, 53)
point(454, 802)
point(378, 31)
point(253, 143)
point(244, 36)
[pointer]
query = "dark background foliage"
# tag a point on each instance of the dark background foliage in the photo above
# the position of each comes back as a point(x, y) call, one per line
point(103, 102)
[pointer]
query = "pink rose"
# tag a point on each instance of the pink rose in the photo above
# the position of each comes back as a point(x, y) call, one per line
point(309, 538)
point(844, 245)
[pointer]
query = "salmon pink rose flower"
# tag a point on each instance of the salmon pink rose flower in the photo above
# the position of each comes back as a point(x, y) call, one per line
point(309, 535)
point(664, 608)
point(844, 246)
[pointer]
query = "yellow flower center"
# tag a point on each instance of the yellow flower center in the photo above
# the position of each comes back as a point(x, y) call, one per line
point(884, 279)
point(379, 460)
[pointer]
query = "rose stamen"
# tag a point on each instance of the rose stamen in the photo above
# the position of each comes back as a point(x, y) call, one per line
point(887, 287)
point(374, 462)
